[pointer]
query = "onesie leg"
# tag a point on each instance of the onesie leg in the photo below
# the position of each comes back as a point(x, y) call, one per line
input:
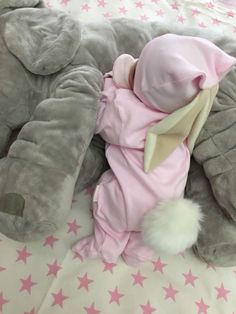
point(109, 238)
point(107, 244)
point(136, 252)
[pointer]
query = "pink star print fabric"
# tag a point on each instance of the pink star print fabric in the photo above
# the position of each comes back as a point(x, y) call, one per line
point(48, 278)
point(218, 14)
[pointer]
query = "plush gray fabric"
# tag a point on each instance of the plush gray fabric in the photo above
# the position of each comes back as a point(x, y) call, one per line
point(217, 242)
point(216, 146)
point(50, 85)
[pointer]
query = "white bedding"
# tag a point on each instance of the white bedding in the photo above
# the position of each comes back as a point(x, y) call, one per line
point(47, 278)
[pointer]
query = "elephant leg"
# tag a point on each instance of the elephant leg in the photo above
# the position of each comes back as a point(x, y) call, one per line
point(216, 243)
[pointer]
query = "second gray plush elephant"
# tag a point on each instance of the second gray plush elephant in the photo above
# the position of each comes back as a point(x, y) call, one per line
point(50, 83)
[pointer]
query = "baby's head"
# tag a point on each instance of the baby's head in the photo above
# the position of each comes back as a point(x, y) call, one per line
point(172, 69)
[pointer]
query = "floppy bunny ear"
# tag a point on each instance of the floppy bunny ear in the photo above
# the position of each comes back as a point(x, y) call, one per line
point(164, 137)
point(44, 41)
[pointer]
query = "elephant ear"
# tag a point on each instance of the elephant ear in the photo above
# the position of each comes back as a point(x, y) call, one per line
point(7, 5)
point(44, 41)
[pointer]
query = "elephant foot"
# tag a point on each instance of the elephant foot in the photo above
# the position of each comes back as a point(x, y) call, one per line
point(19, 229)
point(34, 200)
point(220, 255)
point(13, 204)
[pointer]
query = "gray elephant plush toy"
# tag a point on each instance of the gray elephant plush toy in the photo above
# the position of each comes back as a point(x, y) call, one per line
point(50, 84)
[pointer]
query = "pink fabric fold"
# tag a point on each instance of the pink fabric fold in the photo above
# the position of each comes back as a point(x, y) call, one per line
point(172, 69)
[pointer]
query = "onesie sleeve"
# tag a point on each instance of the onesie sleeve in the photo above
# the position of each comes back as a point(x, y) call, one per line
point(109, 122)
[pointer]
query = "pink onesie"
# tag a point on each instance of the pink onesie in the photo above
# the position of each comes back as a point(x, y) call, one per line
point(125, 192)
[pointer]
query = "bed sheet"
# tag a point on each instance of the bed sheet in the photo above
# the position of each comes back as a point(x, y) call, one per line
point(48, 278)
point(219, 14)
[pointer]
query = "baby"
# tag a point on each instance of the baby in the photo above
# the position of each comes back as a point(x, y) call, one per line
point(152, 110)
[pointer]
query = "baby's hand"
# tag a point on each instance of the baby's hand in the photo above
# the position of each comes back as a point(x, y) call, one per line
point(122, 67)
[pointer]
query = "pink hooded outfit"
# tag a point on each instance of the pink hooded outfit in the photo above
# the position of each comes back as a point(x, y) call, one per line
point(169, 74)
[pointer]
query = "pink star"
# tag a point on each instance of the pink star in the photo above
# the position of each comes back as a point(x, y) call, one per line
point(77, 255)
point(189, 278)
point(170, 292)
point(202, 25)
point(65, 2)
point(101, 3)
point(158, 265)
point(58, 298)
point(159, 13)
point(84, 282)
point(139, 4)
point(138, 279)
point(175, 6)
point(123, 10)
point(2, 302)
point(73, 227)
point(147, 309)
point(53, 269)
point(50, 241)
point(115, 296)
point(48, 3)
point(230, 13)
point(109, 266)
point(215, 21)
point(2, 268)
point(107, 15)
point(195, 11)
point(202, 307)
point(31, 312)
point(144, 17)
point(27, 284)
point(23, 255)
point(210, 5)
point(222, 292)
point(211, 266)
point(91, 310)
point(181, 19)
point(86, 7)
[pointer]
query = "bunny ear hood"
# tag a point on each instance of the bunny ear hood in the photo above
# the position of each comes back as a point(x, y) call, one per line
point(178, 75)
point(172, 69)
